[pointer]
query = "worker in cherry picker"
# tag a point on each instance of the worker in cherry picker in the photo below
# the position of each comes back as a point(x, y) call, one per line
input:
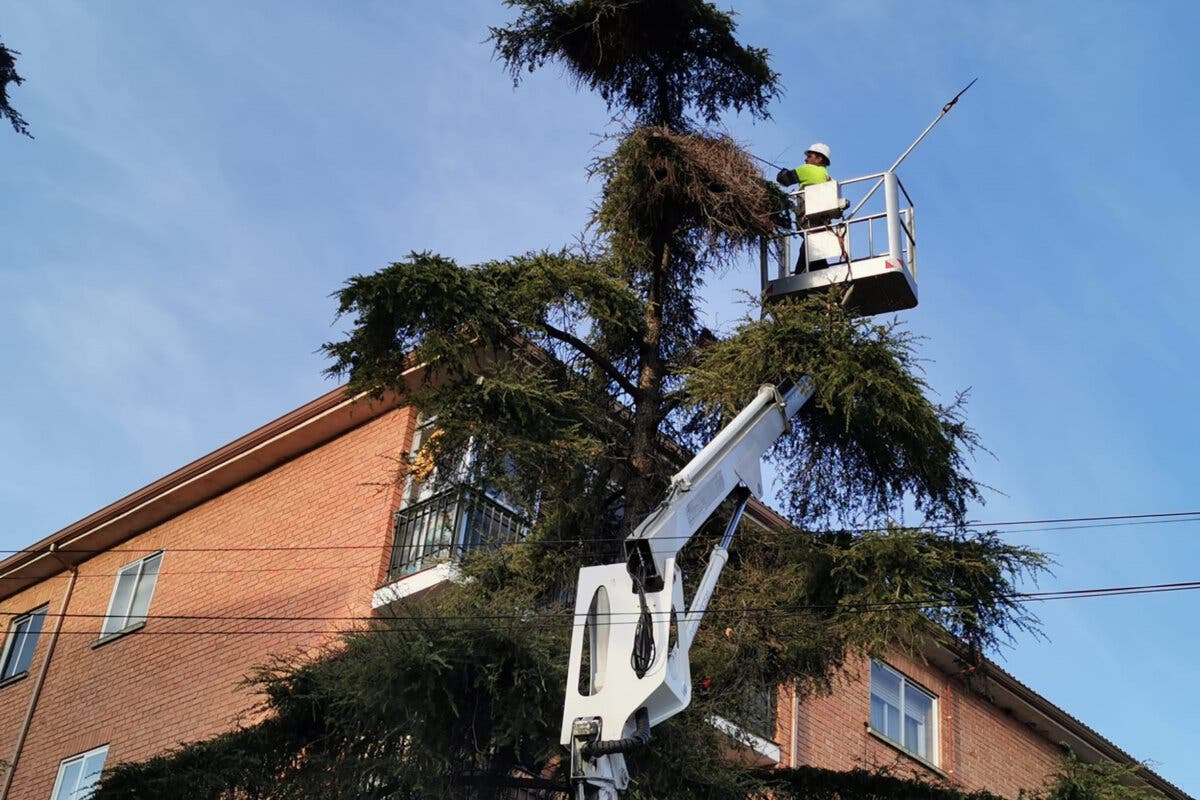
point(814, 170)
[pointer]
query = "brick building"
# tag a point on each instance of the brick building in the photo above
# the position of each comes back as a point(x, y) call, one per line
point(994, 734)
point(132, 630)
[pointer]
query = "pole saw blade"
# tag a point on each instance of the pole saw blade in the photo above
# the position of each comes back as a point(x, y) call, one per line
point(950, 105)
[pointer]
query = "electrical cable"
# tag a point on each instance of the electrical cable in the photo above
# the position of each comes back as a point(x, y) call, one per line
point(564, 615)
point(1047, 525)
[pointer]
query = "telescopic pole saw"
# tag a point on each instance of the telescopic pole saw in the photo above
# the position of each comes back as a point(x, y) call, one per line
point(945, 110)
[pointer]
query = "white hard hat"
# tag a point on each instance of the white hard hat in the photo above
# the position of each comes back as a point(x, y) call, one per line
point(820, 148)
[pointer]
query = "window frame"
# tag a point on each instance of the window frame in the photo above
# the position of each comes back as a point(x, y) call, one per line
point(465, 473)
point(66, 763)
point(129, 620)
point(933, 759)
point(10, 641)
point(419, 491)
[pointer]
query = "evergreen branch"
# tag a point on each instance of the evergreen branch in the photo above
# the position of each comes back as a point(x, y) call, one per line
point(8, 75)
point(591, 353)
point(672, 402)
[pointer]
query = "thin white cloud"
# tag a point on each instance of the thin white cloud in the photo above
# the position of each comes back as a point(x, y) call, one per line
point(112, 348)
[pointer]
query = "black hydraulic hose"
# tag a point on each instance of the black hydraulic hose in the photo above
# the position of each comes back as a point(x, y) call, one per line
point(640, 738)
point(643, 638)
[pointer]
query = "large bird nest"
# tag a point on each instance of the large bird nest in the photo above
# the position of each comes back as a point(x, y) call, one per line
point(700, 187)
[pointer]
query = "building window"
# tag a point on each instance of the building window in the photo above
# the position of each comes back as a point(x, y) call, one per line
point(131, 594)
point(78, 775)
point(903, 712)
point(22, 638)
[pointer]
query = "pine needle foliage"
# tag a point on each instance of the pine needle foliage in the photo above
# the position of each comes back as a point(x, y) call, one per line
point(869, 438)
point(463, 692)
point(357, 722)
point(796, 605)
point(10, 77)
point(662, 60)
point(1079, 780)
point(514, 360)
point(811, 783)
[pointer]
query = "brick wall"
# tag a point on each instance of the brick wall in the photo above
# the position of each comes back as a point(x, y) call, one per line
point(181, 680)
point(980, 745)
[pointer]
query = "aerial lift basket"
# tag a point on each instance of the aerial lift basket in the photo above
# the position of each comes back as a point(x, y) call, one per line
point(871, 251)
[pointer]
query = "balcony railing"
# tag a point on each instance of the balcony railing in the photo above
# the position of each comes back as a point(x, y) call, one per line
point(443, 527)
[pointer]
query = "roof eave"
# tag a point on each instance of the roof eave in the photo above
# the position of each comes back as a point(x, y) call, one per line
point(259, 451)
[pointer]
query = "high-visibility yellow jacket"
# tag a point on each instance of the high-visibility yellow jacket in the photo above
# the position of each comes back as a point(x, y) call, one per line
point(805, 175)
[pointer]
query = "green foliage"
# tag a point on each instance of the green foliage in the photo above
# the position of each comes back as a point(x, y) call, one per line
point(1077, 780)
point(869, 439)
point(8, 75)
point(660, 60)
point(814, 783)
point(795, 605)
point(510, 369)
point(453, 313)
point(655, 58)
point(426, 301)
point(408, 708)
point(811, 783)
point(224, 767)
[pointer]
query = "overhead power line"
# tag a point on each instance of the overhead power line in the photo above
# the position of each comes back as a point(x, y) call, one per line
point(1045, 525)
point(617, 618)
point(1108, 518)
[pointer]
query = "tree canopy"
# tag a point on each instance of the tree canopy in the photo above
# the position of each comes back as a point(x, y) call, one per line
point(579, 377)
point(664, 62)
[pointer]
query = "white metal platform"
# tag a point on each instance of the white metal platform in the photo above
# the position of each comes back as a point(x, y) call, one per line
point(871, 254)
point(876, 285)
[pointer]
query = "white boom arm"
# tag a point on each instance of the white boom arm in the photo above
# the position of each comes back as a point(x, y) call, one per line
point(635, 676)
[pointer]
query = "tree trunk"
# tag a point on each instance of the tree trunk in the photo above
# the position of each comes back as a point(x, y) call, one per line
point(647, 413)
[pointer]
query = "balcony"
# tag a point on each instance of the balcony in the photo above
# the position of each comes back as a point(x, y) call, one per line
point(442, 528)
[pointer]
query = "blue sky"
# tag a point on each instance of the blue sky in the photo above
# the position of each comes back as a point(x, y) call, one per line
point(204, 175)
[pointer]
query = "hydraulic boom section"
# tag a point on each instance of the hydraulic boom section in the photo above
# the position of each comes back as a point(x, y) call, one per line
point(635, 675)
